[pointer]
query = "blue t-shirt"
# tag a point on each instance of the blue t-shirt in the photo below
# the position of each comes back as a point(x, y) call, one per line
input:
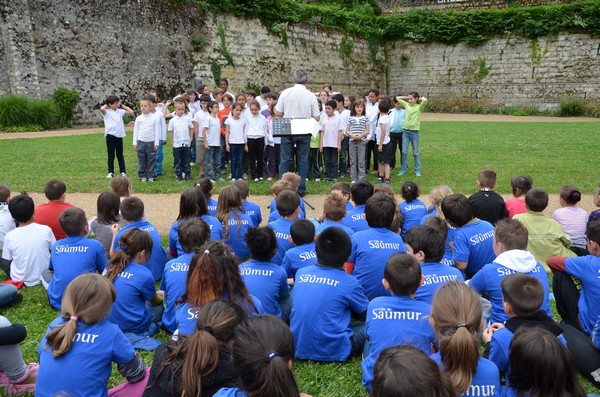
point(320, 321)
point(436, 275)
point(157, 260)
point(392, 321)
point(211, 206)
point(299, 257)
point(230, 392)
point(174, 284)
point(488, 279)
point(268, 282)
point(349, 206)
point(216, 229)
point(238, 223)
point(85, 369)
point(596, 334)
point(69, 258)
point(428, 215)
point(281, 227)
point(273, 209)
point(587, 270)
point(355, 219)
point(371, 250)
point(254, 211)
point(412, 213)
point(134, 286)
point(474, 244)
point(326, 224)
point(486, 381)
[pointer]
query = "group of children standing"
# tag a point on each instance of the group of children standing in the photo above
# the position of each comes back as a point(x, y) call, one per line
point(371, 278)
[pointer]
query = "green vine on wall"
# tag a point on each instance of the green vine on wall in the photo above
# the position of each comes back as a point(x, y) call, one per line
point(483, 71)
point(215, 69)
point(223, 46)
point(346, 48)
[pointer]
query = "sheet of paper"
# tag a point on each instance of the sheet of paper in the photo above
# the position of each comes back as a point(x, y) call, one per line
point(305, 126)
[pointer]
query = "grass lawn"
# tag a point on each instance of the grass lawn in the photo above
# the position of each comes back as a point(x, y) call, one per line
point(452, 153)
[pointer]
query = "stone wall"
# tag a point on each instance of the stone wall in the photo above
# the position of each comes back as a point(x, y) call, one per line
point(389, 6)
point(503, 72)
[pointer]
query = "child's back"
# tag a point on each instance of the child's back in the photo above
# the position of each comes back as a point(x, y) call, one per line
point(288, 207)
point(303, 254)
point(412, 209)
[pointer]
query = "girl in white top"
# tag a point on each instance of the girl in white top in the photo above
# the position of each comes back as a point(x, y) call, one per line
point(258, 134)
point(235, 139)
point(572, 218)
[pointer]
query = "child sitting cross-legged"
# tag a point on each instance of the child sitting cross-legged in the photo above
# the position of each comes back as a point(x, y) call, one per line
point(303, 254)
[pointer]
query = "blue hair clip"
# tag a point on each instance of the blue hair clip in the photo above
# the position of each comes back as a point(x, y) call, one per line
point(123, 248)
point(270, 356)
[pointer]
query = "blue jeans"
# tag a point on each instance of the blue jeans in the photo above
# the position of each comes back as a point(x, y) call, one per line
point(302, 150)
point(357, 339)
point(213, 158)
point(224, 156)
point(160, 155)
point(412, 137)
point(146, 156)
point(182, 156)
point(7, 294)
point(236, 153)
point(343, 154)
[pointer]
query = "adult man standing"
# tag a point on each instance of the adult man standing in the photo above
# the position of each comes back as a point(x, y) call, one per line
point(297, 103)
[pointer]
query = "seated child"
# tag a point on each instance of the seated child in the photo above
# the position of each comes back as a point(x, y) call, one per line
point(294, 180)
point(288, 206)
point(276, 188)
point(572, 218)
point(371, 248)
point(473, 241)
point(412, 209)
point(344, 191)
point(234, 220)
point(80, 345)
point(427, 245)
point(132, 210)
point(334, 210)
point(488, 205)
point(26, 250)
point(251, 209)
point(107, 207)
point(436, 196)
point(138, 307)
point(546, 236)
point(355, 218)
point(442, 227)
point(193, 233)
point(7, 223)
point(520, 186)
point(48, 213)
point(523, 296)
point(15, 376)
point(456, 318)
point(122, 186)
point(325, 294)
point(398, 319)
point(264, 279)
point(206, 187)
point(510, 242)
point(215, 226)
point(303, 254)
point(71, 256)
point(595, 214)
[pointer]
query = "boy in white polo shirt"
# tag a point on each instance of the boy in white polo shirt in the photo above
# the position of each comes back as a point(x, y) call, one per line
point(146, 135)
point(114, 131)
point(182, 130)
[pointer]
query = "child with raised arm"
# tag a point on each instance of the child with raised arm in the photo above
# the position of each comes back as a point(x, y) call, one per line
point(398, 319)
point(146, 137)
point(488, 205)
point(410, 132)
point(182, 131)
point(114, 132)
point(303, 254)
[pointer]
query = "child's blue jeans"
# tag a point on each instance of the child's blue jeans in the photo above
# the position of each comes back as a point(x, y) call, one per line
point(412, 137)
point(212, 163)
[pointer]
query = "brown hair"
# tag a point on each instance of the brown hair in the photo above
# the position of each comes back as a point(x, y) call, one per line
point(437, 195)
point(570, 194)
point(456, 314)
point(107, 208)
point(121, 185)
point(511, 233)
point(280, 186)
point(229, 200)
point(487, 178)
point(334, 207)
point(521, 185)
point(131, 243)
point(88, 298)
point(292, 178)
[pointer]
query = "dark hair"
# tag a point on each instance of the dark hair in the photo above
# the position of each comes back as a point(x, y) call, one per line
point(487, 178)
point(286, 202)
point(262, 348)
point(333, 247)
point(107, 208)
point(112, 99)
point(204, 98)
point(205, 186)
point(211, 104)
point(197, 355)
point(521, 185)
point(409, 191)
point(4, 193)
point(362, 191)
point(242, 188)
point(438, 224)
point(223, 80)
point(524, 293)
point(337, 97)
point(54, 189)
point(132, 209)
point(427, 239)
point(403, 273)
point(188, 204)
point(536, 200)
point(261, 242)
point(414, 94)
point(131, 243)
point(334, 207)
point(374, 91)
point(343, 187)
point(302, 232)
point(457, 210)
point(511, 233)
point(264, 89)
point(213, 275)
point(21, 208)
point(72, 221)
point(540, 365)
point(192, 234)
point(570, 194)
point(358, 102)
point(331, 103)
point(384, 106)
point(380, 210)
point(120, 185)
point(405, 371)
point(593, 231)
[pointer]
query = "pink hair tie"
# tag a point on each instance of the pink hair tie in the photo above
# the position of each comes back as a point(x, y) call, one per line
point(73, 318)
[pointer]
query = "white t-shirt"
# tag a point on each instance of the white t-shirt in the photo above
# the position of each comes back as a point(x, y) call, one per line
point(113, 122)
point(146, 129)
point(258, 127)
point(7, 223)
point(28, 248)
point(180, 127)
point(213, 131)
point(237, 130)
point(383, 120)
point(162, 121)
point(199, 118)
point(344, 115)
point(297, 102)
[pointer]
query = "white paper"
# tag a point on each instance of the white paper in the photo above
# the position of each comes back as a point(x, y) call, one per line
point(305, 126)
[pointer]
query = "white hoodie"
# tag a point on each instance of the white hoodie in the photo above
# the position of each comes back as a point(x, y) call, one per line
point(518, 260)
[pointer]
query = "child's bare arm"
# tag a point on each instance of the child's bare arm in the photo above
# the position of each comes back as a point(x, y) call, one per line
point(103, 109)
point(128, 111)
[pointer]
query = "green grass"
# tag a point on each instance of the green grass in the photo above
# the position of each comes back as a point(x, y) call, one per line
point(452, 153)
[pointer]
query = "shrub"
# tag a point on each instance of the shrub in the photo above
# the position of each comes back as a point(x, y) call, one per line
point(572, 107)
point(14, 110)
point(46, 113)
point(23, 128)
point(65, 100)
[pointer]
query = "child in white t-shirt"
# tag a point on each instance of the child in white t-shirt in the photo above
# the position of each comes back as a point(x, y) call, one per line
point(382, 136)
point(182, 131)
point(212, 143)
point(114, 131)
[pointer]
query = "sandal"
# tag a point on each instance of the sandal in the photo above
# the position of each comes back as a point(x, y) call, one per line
point(14, 387)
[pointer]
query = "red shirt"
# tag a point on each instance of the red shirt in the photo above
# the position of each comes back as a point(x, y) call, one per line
point(47, 214)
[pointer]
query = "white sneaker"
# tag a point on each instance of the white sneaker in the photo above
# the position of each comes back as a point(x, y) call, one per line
point(123, 174)
point(143, 180)
point(255, 179)
point(110, 175)
point(151, 179)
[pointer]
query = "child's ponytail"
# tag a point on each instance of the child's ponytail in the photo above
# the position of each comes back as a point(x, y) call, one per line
point(88, 298)
point(456, 313)
point(131, 243)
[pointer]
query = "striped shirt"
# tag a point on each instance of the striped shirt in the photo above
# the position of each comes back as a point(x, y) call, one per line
point(358, 125)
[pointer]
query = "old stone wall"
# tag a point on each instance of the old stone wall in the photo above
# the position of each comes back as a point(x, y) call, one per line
point(389, 6)
point(511, 71)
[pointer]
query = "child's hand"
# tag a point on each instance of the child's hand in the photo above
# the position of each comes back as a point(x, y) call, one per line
point(339, 149)
point(246, 148)
point(164, 142)
point(156, 148)
point(487, 334)
point(134, 147)
point(114, 229)
point(205, 145)
point(380, 148)
point(227, 147)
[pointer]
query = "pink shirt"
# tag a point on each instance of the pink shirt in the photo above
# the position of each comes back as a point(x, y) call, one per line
point(515, 206)
point(331, 126)
point(574, 222)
